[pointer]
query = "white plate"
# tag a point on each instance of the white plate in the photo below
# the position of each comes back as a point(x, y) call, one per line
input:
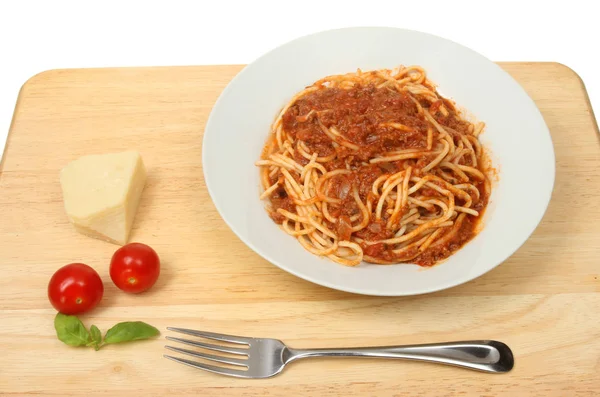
point(515, 133)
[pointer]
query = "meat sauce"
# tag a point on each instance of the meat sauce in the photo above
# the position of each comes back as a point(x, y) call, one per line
point(362, 115)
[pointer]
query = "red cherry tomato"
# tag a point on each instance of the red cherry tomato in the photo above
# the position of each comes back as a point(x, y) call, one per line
point(75, 288)
point(134, 267)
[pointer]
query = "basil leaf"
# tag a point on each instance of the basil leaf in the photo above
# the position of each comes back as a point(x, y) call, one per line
point(70, 330)
point(129, 331)
point(96, 337)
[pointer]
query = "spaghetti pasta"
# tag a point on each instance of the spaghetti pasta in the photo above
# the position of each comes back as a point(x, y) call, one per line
point(375, 166)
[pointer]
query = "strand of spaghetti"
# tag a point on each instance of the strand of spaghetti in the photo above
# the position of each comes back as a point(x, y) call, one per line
point(309, 202)
point(475, 142)
point(288, 148)
point(322, 228)
point(286, 228)
point(310, 197)
point(466, 210)
point(448, 138)
point(424, 220)
point(429, 137)
point(269, 191)
point(397, 206)
point(419, 76)
point(417, 89)
point(389, 79)
point(392, 178)
point(292, 216)
point(457, 170)
point(417, 104)
point(304, 152)
point(410, 212)
point(337, 137)
point(286, 160)
point(315, 165)
point(405, 187)
point(355, 248)
point(313, 193)
point(427, 206)
point(377, 261)
point(412, 244)
point(430, 239)
point(420, 182)
point(337, 77)
point(458, 156)
point(400, 231)
point(363, 210)
point(319, 186)
point(478, 129)
point(273, 172)
point(421, 228)
point(469, 146)
point(457, 151)
point(452, 233)
point(439, 203)
point(306, 176)
point(322, 240)
point(279, 133)
point(397, 126)
point(469, 187)
point(314, 250)
point(447, 177)
point(444, 111)
point(387, 82)
point(438, 158)
point(397, 157)
point(326, 213)
point(306, 117)
point(385, 192)
point(433, 121)
point(265, 178)
point(378, 181)
point(457, 192)
point(282, 164)
point(401, 199)
point(295, 187)
point(410, 219)
point(402, 151)
point(426, 180)
point(473, 171)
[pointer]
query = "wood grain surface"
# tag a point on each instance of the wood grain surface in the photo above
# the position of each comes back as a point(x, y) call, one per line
point(544, 301)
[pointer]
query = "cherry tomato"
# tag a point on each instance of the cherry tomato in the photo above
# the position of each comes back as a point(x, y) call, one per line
point(134, 267)
point(75, 288)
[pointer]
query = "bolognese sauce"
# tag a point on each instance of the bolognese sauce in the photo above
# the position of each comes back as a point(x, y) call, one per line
point(375, 166)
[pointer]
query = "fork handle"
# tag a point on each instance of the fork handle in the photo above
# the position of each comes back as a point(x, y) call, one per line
point(482, 355)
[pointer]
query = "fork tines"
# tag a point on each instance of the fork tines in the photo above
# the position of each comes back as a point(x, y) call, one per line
point(241, 362)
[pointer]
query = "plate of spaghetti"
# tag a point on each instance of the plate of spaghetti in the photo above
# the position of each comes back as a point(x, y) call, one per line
point(410, 166)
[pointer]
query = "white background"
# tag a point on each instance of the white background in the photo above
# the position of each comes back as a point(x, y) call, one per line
point(41, 35)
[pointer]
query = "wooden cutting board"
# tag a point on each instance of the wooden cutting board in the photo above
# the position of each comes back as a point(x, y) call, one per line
point(544, 301)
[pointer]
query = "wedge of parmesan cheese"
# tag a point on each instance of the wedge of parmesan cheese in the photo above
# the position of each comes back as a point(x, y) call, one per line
point(101, 194)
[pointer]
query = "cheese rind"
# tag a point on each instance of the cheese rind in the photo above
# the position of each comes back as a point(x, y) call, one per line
point(101, 194)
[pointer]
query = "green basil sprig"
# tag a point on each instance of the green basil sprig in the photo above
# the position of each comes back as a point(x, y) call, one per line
point(71, 331)
point(129, 331)
point(95, 338)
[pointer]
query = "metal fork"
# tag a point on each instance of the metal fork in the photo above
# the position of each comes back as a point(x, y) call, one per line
point(263, 358)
